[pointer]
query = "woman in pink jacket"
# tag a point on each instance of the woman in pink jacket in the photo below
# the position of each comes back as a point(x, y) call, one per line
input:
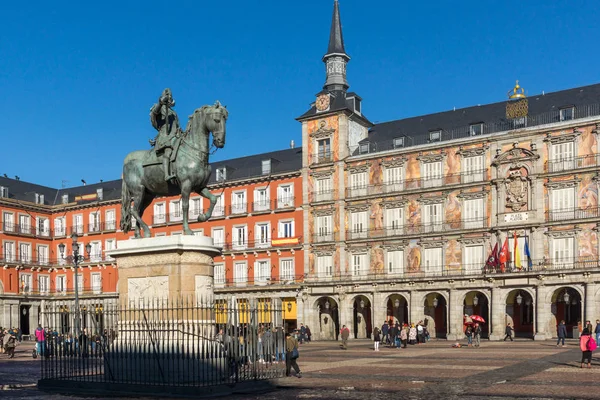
point(587, 345)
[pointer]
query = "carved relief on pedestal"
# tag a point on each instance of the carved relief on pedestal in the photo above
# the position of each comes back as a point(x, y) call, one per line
point(148, 288)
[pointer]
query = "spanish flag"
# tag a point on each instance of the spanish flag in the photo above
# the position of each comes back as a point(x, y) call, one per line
point(517, 254)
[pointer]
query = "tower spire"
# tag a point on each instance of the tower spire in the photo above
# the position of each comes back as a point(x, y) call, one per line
point(336, 57)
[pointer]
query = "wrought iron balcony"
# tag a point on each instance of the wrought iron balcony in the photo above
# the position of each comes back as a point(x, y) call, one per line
point(238, 209)
point(573, 214)
point(322, 195)
point(260, 244)
point(261, 206)
point(285, 202)
point(322, 157)
point(396, 230)
point(258, 281)
point(26, 230)
point(324, 237)
point(571, 163)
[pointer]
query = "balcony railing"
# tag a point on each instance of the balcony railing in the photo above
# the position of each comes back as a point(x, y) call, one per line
point(324, 237)
point(413, 229)
point(567, 164)
point(323, 196)
point(78, 229)
point(258, 281)
point(238, 209)
point(573, 214)
point(259, 206)
point(322, 157)
point(43, 260)
point(26, 230)
point(550, 117)
point(52, 291)
point(60, 232)
point(286, 202)
point(257, 244)
point(419, 183)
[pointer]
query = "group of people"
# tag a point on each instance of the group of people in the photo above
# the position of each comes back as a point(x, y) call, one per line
point(394, 335)
point(9, 339)
point(51, 343)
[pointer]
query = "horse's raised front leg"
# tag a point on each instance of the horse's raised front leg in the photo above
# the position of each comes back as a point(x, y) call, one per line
point(186, 189)
point(213, 200)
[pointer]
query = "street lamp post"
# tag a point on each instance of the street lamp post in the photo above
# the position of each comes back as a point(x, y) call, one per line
point(76, 258)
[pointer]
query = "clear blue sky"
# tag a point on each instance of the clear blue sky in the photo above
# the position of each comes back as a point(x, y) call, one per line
point(77, 79)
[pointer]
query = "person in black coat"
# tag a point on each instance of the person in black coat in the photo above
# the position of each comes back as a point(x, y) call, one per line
point(562, 333)
point(508, 332)
point(394, 330)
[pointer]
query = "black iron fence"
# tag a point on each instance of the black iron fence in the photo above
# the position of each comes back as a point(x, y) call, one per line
point(160, 343)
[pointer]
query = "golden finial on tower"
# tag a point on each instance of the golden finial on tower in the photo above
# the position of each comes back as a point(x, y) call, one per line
point(517, 92)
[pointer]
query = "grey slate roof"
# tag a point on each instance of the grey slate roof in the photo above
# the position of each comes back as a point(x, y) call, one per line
point(339, 102)
point(288, 160)
point(543, 108)
point(336, 39)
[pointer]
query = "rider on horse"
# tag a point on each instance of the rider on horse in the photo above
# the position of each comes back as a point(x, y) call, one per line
point(165, 120)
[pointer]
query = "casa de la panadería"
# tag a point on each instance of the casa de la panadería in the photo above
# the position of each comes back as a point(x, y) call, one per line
point(489, 210)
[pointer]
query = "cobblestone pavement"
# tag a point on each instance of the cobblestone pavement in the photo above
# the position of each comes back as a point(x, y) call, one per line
point(497, 370)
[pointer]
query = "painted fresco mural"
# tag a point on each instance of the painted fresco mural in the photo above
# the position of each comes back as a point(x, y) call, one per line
point(414, 257)
point(453, 211)
point(324, 124)
point(588, 243)
point(453, 255)
point(587, 196)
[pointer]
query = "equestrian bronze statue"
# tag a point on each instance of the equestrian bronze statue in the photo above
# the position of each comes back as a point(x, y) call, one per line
point(178, 163)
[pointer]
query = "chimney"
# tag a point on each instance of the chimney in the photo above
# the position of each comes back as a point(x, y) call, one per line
point(292, 144)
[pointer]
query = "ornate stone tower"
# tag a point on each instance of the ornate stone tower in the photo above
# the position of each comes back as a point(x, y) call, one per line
point(336, 58)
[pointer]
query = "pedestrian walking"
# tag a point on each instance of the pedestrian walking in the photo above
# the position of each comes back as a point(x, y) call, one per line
point(376, 338)
point(40, 340)
point(404, 335)
point(11, 342)
point(345, 334)
point(477, 335)
point(469, 335)
point(393, 332)
point(508, 332)
point(597, 331)
point(587, 344)
point(561, 333)
point(385, 330)
point(291, 355)
point(412, 334)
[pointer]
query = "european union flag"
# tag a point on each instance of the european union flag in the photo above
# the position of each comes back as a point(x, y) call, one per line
point(528, 254)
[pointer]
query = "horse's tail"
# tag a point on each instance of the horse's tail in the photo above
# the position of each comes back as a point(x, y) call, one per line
point(125, 207)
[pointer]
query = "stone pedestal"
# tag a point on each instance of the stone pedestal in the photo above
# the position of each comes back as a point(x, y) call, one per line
point(167, 268)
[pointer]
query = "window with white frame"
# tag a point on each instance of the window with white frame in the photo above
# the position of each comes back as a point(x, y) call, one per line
point(472, 213)
point(521, 247)
point(9, 251)
point(432, 217)
point(96, 282)
point(262, 271)
point(432, 174)
point(42, 255)
point(43, 284)
point(238, 202)
point(394, 221)
point(393, 179)
point(160, 215)
point(39, 198)
point(261, 199)
point(218, 237)
point(285, 195)
point(324, 228)
point(474, 259)
point(263, 234)
point(25, 252)
point(323, 189)
point(80, 283)
point(109, 244)
point(100, 193)
point(562, 204)
point(26, 283)
point(286, 229)
point(195, 207)
point(567, 113)
point(175, 210)
point(219, 274)
point(61, 283)
point(432, 261)
point(435, 136)
point(240, 271)
point(358, 184)
point(266, 167)
point(563, 251)
point(324, 150)
point(359, 264)
point(219, 209)
point(65, 199)
point(96, 251)
point(3, 192)
point(286, 269)
point(395, 261)
point(240, 238)
point(359, 224)
point(221, 174)
point(43, 226)
point(398, 142)
point(24, 224)
point(476, 129)
point(94, 222)
point(8, 222)
point(60, 226)
point(325, 266)
point(110, 218)
point(78, 224)
point(562, 156)
point(472, 169)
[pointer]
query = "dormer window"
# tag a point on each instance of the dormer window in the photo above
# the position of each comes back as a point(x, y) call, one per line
point(100, 193)
point(65, 198)
point(363, 148)
point(476, 129)
point(435, 136)
point(266, 167)
point(520, 122)
point(221, 174)
point(39, 198)
point(3, 192)
point(357, 105)
point(398, 142)
point(566, 113)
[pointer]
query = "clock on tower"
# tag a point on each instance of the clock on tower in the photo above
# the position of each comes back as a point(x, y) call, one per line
point(322, 102)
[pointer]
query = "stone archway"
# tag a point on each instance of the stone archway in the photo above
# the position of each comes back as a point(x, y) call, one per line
point(520, 312)
point(329, 322)
point(566, 305)
point(396, 309)
point(477, 303)
point(435, 307)
point(361, 317)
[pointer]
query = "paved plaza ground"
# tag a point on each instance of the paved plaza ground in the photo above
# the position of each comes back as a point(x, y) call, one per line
point(519, 370)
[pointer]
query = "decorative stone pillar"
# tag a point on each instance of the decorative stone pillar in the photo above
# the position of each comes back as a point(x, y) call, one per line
point(497, 314)
point(590, 304)
point(416, 307)
point(542, 313)
point(455, 314)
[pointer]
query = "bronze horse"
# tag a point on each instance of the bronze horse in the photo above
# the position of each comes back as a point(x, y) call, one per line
point(143, 181)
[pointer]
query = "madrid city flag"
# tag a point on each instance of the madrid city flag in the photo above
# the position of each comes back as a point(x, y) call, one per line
point(517, 254)
point(503, 256)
